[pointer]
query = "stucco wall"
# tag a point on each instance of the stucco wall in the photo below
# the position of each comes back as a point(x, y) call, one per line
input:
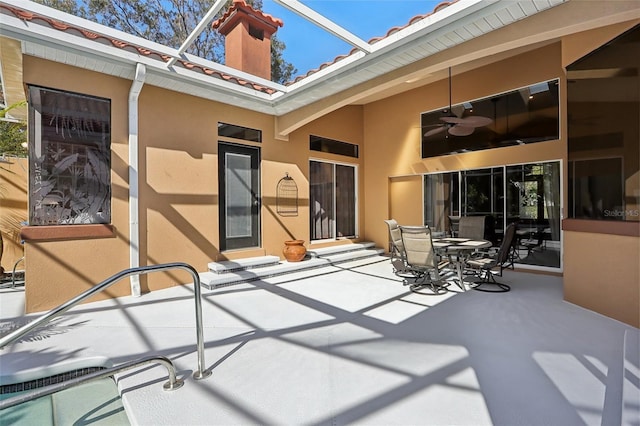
point(179, 185)
point(59, 270)
point(13, 208)
point(392, 135)
point(601, 273)
point(178, 178)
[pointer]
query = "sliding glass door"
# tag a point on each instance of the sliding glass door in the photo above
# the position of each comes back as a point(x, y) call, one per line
point(527, 194)
point(533, 202)
point(332, 200)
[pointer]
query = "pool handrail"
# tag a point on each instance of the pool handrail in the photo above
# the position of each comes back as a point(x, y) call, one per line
point(173, 383)
point(201, 373)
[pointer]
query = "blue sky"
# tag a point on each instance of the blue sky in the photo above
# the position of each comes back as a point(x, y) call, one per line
point(308, 46)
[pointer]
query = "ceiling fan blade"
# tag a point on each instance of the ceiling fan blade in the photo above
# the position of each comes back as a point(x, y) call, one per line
point(434, 131)
point(460, 130)
point(452, 120)
point(475, 121)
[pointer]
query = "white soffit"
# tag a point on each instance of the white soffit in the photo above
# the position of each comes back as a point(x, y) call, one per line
point(459, 22)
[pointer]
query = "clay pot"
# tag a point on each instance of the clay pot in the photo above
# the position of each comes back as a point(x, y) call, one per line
point(294, 250)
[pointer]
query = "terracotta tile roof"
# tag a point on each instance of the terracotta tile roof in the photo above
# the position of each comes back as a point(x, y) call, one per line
point(243, 6)
point(237, 4)
point(62, 26)
point(374, 40)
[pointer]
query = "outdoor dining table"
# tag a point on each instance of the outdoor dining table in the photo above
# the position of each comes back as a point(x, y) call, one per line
point(462, 248)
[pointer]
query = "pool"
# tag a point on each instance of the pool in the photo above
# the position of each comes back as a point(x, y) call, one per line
point(96, 403)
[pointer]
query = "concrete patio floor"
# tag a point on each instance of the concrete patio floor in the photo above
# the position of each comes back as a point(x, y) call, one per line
point(348, 344)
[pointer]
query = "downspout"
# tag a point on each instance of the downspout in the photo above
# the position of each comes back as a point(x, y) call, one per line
point(134, 216)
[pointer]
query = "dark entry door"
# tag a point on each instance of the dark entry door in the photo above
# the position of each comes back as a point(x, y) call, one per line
point(239, 181)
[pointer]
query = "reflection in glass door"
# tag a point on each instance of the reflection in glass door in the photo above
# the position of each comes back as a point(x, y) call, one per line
point(527, 194)
point(483, 195)
point(533, 202)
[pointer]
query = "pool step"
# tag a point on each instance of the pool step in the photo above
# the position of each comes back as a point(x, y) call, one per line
point(95, 403)
point(230, 272)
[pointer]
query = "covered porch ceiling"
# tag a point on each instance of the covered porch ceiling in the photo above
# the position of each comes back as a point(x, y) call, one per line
point(464, 34)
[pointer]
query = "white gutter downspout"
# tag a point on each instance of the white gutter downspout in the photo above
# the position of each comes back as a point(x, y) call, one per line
point(134, 217)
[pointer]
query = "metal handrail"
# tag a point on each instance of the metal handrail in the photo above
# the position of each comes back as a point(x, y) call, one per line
point(201, 373)
point(173, 383)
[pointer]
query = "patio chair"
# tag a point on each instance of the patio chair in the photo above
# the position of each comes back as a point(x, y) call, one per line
point(422, 259)
point(471, 227)
point(489, 261)
point(453, 225)
point(396, 249)
point(535, 241)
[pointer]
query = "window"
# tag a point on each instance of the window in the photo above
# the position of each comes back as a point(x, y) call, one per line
point(318, 143)
point(517, 117)
point(332, 200)
point(69, 158)
point(239, 132)
point(604, 127)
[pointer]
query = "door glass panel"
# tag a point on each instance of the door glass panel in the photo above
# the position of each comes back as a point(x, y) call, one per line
point(482, 195)
point(332, 197)
point(239, 200)
point(441, 198)
point(345, 201)
point(239, 178)
point(533, 202)
point(321, 199)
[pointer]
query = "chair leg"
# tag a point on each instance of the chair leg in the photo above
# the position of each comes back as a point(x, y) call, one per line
point(425, 280)
point(489, 284)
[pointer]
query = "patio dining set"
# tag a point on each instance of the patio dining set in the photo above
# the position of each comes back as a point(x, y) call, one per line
point(426, 259)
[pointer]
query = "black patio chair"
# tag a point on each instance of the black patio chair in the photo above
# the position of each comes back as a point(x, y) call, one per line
point(485, 264)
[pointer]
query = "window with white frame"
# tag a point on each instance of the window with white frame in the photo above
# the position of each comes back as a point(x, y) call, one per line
point(69, 158)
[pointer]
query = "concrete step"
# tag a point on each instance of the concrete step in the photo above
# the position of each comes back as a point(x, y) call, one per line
point(228, 266)
point(347, 248)
point(222, 274)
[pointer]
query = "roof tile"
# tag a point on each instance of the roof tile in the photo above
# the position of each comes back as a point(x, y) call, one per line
point(374, 40)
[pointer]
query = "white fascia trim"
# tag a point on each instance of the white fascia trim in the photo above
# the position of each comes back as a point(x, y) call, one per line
point(327, 71)
point(327, 24)
point(94, 27)
point(436, 21)
point(241, 75)
point(15, 28)
point(421, 28)
point(58, 38)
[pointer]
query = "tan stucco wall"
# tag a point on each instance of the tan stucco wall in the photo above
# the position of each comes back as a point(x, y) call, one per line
point(178, 177)
point(13, 208)
point(602, 273)
point(59, 270)
point(178, 172)
point(392, 137)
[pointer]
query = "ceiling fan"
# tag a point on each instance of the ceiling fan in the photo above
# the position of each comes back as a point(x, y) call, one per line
point(456, 125)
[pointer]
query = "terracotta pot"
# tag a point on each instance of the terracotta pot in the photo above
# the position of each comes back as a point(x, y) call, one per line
point(294, 250)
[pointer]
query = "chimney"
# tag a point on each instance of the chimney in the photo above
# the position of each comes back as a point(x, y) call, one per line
point(247, 34)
